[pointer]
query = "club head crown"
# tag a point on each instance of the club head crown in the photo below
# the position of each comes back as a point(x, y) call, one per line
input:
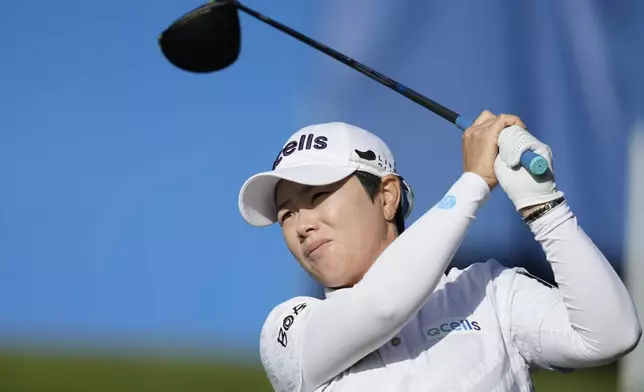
point(206, 39)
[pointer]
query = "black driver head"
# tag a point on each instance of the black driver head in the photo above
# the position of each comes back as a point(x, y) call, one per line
point(206, 39)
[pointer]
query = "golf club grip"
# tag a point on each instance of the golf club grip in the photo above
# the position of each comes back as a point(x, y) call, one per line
point(534, 163)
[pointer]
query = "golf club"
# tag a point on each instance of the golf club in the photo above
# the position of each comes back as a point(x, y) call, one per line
point(208, 38)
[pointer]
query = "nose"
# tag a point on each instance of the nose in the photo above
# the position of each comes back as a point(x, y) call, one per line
point(306, 223)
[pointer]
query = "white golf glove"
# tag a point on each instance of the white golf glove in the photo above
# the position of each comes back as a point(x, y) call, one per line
point(523, 188)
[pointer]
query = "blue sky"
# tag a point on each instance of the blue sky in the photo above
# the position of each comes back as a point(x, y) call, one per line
point(120, 173)
point(120, 176)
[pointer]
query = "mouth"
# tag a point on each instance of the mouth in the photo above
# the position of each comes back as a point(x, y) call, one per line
point(315, 248)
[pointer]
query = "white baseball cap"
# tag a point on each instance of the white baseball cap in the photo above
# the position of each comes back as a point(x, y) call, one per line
point(319, 154)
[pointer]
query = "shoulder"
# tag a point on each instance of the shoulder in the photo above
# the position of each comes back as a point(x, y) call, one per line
point(280, 340)
point(480, 273)
point(283, 317)
point(502, 280)
point(492, 270)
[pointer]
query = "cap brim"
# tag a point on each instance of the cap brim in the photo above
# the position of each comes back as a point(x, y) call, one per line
point(256, 198)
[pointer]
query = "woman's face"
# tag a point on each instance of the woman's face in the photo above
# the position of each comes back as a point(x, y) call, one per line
point(335, 231)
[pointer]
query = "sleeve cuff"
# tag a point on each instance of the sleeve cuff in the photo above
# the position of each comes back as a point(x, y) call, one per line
point(551, 220)
point(472, 186)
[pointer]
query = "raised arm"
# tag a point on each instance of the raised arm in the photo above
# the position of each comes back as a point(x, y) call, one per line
point(596, 321)
point(590, 319)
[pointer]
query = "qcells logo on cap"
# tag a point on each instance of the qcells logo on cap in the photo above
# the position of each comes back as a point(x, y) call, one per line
point(306, 142)
point(449, 326)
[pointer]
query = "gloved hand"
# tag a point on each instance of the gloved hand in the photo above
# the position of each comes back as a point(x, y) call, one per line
point(523, 188)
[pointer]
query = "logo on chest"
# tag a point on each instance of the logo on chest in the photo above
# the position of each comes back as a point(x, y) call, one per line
point(450, 326)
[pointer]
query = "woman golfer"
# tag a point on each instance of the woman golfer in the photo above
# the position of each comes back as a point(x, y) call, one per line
point(392, 320)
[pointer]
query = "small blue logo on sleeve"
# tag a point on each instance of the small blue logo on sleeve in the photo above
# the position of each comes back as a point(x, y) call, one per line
point(447, 202)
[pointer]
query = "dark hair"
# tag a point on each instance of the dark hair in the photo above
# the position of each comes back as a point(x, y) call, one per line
point(371, 184)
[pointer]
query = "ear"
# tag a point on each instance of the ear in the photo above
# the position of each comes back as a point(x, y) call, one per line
point(391, 196)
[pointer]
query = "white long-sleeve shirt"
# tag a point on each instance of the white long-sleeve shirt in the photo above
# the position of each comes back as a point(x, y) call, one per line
point(409, 327)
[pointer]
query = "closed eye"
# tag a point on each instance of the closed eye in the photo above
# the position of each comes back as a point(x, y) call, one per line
point(284, 216)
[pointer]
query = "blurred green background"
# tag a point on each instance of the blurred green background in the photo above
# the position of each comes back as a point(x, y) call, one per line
point(24, 372)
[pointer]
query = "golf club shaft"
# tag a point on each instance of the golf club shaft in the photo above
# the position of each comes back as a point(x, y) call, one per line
point(420, 99)
point(529, 160)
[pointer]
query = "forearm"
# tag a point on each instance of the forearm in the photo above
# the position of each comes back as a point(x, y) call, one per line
point(596, 321)
point(351, 324)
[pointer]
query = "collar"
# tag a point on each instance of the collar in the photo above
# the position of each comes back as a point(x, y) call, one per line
point(329, 292)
